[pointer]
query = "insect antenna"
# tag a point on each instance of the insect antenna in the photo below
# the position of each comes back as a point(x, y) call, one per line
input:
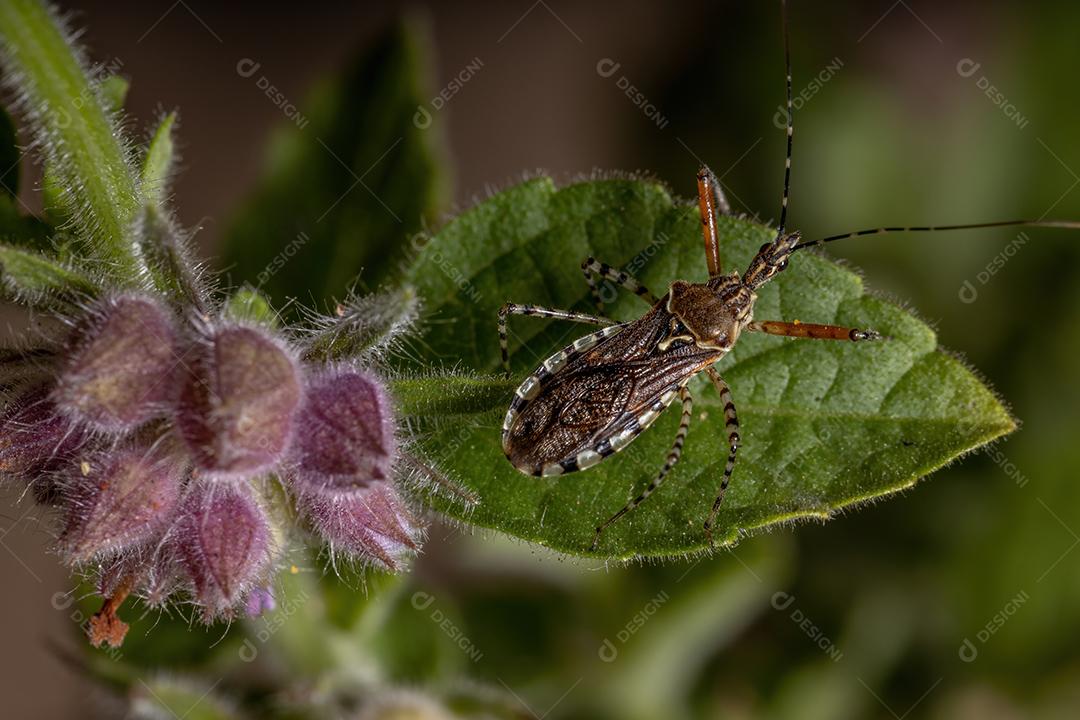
point(790, 125)
point(1068, 224)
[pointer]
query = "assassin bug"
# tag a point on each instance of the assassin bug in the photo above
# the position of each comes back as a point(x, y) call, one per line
point(592, 398)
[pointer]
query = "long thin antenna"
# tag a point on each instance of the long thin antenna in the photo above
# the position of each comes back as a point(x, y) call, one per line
point(1069, 224)
point(790, 125)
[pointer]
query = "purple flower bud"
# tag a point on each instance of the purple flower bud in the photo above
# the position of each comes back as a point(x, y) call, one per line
point(369, 525)
point(162, 576)
point(260, 600)
point(150, 571)
point(118, 570)
point(344, 432)
point(126, 574)
point(118, 501)
point(34, 437)
point(238, 402)
point(123, 371)
point(223, 540)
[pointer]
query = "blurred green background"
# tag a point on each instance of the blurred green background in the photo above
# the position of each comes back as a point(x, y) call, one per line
point(958, 599)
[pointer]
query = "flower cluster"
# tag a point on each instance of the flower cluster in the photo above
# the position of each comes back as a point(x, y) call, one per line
point(180, 449)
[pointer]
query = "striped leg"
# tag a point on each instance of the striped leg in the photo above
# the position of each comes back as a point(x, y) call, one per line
point(731, 424)
point(515, 309)
point(672, 458)
point(798, 329)
point(592, 267)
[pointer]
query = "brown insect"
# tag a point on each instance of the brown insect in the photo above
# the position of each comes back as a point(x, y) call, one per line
point(592, 398)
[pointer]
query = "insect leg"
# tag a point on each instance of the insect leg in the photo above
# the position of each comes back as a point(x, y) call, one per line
point(711, 200)
point(672, 458)
point(782, 226)
point(731, 424)
point(515, 309)
point(722, 204)
point(591, 267)
point(812, 330)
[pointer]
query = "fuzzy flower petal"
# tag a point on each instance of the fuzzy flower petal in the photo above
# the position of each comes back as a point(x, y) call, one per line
point(123, 371)
point(123, 500)
point(34, 437)
point(223, 539)
point(345, 432)
point(260, 601)
point(369, 525)
point(151, 572)
point(238, 402)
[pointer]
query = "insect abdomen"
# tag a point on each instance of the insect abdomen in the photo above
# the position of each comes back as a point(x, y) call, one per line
point(562, 423)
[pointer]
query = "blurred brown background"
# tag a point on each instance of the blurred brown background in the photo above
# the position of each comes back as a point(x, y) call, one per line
point(894, 135)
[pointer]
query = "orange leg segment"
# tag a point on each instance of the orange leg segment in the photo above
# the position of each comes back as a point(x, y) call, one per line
point(814, 331)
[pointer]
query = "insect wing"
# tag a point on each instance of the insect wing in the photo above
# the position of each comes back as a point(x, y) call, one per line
point(601, 399)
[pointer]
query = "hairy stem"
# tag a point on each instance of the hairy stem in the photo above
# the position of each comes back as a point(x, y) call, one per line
point(82, 144)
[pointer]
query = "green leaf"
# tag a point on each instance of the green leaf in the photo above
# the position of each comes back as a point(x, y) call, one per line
point(79, 136)
point(250, 305)
point(164, 253)
point(365, 327)
point(52, 198)
point(439, 395)
point(824, 424)
point(34, 277)
point(158, 163)
point(114, 89)
point(348, 184)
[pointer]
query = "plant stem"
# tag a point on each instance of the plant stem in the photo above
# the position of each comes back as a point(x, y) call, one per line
point(81, 141)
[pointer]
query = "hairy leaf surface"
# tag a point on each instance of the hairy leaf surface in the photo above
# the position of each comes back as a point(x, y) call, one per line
point(825, 424)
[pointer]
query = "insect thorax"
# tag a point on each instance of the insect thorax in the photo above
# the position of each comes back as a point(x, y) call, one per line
point(713, 313)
